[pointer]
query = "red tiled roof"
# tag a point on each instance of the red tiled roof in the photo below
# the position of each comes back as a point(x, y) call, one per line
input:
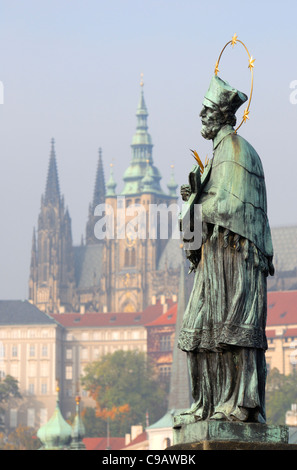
point(282, 308)
point(101, 443)
point(168, 318)
point(291, 332)
point(270, 334)
point(109, 319)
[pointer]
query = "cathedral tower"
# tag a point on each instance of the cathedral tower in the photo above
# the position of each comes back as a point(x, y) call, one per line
point(52, 269)
point(98, 198)
point(131, 263)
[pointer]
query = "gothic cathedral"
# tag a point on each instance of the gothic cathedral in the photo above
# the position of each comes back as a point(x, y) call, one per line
point(122, 273)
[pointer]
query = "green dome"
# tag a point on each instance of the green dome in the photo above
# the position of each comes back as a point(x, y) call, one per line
point(56, 433)
point(78, 429)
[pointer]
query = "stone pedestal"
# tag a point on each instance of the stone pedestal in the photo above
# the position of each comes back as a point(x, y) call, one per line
point(189, 434)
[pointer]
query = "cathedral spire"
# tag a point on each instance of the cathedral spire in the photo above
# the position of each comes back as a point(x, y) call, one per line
point(98, 198)
point(33, 269)
point(99, 190)
point(52, 190)
point(142, 158)
point(142, 142)
point(33, 250)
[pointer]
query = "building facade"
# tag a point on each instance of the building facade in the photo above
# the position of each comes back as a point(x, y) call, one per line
point(281, 331)
point(41, 351)
point(122, 273)
point(31, 352)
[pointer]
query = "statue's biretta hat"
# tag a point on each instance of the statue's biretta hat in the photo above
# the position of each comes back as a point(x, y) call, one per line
point(221, 93)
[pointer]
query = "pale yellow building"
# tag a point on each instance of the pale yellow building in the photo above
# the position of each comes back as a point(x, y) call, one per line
point(41, 350)
point(281, 331)
point(87, 337)
point(30, 351)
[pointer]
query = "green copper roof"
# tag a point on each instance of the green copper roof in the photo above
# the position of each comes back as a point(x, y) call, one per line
point(141, 175)
point(56, 433)
point(78, 429)
point(111, 184)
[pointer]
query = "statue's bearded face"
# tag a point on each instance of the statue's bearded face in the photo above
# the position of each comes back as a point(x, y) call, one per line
point(211, 122)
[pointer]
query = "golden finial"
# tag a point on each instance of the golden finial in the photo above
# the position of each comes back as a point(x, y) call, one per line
point(141, 79)
point(251, 62)
point(77, 399)
point(246, 114)
point(234, 40)
point(216, 70)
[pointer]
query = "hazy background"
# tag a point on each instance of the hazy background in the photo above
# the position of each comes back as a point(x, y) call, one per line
point(71, 70)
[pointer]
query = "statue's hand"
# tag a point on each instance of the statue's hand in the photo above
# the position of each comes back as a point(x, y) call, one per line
point(185, 192)
point(194, 258)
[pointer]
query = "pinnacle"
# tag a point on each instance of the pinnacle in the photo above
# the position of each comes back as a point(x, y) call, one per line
point(99, 190)
point(52, 190)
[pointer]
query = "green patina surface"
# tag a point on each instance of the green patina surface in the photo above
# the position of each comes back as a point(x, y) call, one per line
point(187, 430)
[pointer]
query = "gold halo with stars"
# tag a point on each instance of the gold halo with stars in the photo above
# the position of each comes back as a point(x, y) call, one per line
point(234, 41)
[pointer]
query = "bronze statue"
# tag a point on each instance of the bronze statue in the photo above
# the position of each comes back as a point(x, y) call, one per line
point(223, 330)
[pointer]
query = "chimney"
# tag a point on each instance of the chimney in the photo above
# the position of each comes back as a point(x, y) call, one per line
point(135, 431)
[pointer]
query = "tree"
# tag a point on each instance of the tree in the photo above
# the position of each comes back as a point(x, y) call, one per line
point(94, 425)
point(9, 389)
point(281, 392)
point(125, 388)
point(22, 438)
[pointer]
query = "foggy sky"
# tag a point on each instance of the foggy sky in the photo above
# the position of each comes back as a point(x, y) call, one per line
point(71, 70)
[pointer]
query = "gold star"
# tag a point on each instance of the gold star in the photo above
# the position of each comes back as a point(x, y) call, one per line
point(216, 70)
point(234, 40)
point(251, 62)
point(246, 114)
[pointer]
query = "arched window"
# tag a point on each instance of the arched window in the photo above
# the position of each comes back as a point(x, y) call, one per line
point(127, 257)
point(133, 257)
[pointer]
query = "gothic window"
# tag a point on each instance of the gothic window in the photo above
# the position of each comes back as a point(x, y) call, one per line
point(45, 251)
point(133, 257)
point(127, 257)
point(130, 257)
